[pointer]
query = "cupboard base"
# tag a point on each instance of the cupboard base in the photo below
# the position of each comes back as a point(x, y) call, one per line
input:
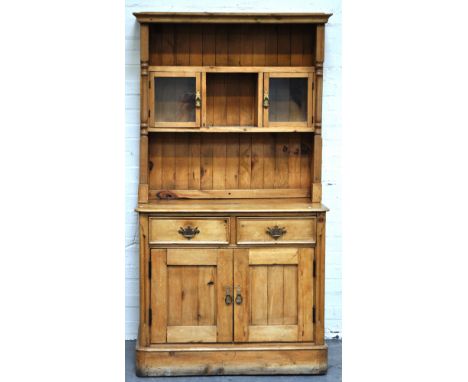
point(252, 359)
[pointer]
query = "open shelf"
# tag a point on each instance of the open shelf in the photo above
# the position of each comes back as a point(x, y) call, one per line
point(232, 129)
point(232, 205)
point(232, 99)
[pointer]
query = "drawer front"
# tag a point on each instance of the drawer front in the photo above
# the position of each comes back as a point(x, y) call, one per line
point(189, 231)
point(276, 230)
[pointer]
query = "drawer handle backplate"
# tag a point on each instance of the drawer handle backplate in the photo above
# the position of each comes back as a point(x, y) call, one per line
point(276, 232)
point(189, 232)
point(238, 296)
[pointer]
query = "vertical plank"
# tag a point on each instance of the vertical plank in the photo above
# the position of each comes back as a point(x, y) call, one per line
point(275, 295)
point(290, 295)
point(203, 110)
point(219, 161)
point(246, 44)
point(219, 91)
point(144, 117)
point(196, 45)
point(234, 45)
point(259, 105)
point(282, 161)
point(159, 295)
point(245, 160)
point(305, 293)
point(266, 92)
point(206, 162)
point(319, 57)
point(182, 44)
point(167, 44)
point(294, 167)
point(190, 295)
point(306, 158)
point(145, 286)
point(232, 162)
point(209, 111)
point(246, 97)
point(155, 45)
point(271, 49)
point(224, 313)
point(168, 161)
point(209, 44)
point(155, 163)
point(233, 110)
point(257, 161)
point(206, 295)
point(181, 161)
point(259, 44)
point(242, 311)
point(174, 289)
point(259, 293)
point(221, 44)
point(320, 281)
point(310, 100)
point(317, 170)
point(284, 45)
point(308, 41)
point(194, 162)
point(297, 45)
point(269, 147)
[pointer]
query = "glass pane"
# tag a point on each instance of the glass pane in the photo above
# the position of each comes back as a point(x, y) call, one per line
point(288, 100)
point(174, 99)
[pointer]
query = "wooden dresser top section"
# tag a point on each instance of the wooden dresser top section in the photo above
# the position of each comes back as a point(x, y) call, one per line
point(215, 17)
point(232, 206)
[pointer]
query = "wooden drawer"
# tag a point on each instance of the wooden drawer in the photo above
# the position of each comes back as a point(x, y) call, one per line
point(189, 231)
point(282, 230)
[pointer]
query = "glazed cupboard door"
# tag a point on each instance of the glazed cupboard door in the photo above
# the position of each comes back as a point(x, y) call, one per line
point(288, 99)
point(188, 292)
point(175, 99)
point(273, 294)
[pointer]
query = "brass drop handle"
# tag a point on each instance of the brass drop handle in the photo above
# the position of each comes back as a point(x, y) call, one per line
point(238, 296)
point(189, 232)
point(266, 100)
point(276, 232)
point(228, 298)
point(197, 99)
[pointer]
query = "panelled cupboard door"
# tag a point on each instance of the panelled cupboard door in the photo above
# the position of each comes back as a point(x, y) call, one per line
point(175, 99)
point(275, 286)
point(188, 292)
point(288, 99)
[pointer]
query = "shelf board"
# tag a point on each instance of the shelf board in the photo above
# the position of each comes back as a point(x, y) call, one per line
point(232, 129)
point(231, 205)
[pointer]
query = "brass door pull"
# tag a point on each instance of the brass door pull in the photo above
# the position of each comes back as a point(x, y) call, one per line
point(197, 100)
point(189, 232)
point(276, 232)
point(238, 296)
point(228, 298)
point(266, 100)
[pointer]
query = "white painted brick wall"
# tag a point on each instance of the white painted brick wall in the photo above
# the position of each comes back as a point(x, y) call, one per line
point(331, 128)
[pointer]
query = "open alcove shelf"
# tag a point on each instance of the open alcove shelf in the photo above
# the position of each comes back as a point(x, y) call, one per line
point(232, 225)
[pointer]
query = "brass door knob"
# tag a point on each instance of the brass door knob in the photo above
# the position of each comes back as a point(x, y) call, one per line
point(189, 232)
point(197, 100)
point(266, 100)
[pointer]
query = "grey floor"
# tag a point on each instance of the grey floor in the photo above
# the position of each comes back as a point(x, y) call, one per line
point(333, 375)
